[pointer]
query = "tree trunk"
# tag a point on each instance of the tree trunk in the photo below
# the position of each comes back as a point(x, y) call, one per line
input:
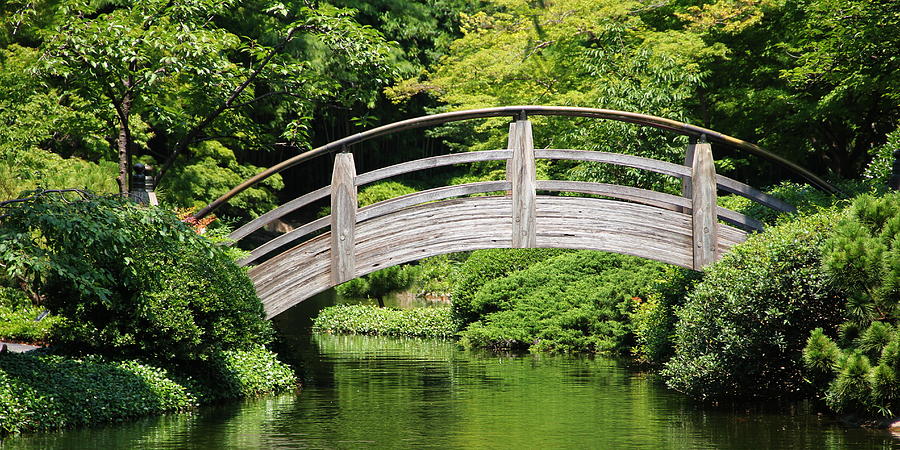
point(123, 142)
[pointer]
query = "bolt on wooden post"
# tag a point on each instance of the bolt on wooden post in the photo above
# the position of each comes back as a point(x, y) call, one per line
point(703, 206)
point(343, 219)
point(520, 171)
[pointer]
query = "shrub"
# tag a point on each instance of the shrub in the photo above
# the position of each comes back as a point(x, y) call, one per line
point(862, 260)
point(879, 170)
point(380, 283)
point(130, 280)
point(483, 266)
point(231, 374)
point(364, 319)
point(742, 328)
point(653, 317)
point(569, 303)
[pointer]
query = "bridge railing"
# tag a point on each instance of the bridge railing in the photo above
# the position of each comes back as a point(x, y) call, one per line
point(699, 181)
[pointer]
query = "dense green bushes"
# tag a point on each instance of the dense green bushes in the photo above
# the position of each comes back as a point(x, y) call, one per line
point(40, 391)
point(128, 280)
point(742, 328)
point(572, 302)
point(483, 266)
point(364, 319)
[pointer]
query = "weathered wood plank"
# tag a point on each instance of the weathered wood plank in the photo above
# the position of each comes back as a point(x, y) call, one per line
point(464, 224)
point(646, 197)
point(430, 163)
point(703, 198)
point(522, 177)
point(666, 168)
point(429, 195)
point(686, 190)
point(285, 239)
point(343, 219)
point(279, 212)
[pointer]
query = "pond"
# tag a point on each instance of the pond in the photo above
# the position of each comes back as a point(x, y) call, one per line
point(386, 392)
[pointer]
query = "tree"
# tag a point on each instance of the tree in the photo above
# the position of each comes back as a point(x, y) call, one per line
point(167, 75)
point(566, 52)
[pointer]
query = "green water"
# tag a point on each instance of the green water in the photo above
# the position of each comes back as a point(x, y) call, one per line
point(389, 393)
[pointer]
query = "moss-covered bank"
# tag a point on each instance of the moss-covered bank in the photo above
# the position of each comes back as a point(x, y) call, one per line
point(40, 391)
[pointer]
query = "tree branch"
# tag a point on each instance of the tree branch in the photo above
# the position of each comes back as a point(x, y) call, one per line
point(195, 132)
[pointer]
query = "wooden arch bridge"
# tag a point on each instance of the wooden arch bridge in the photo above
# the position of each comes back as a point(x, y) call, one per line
point(688, 230)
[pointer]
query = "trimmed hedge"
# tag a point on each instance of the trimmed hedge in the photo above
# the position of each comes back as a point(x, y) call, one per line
point(366, 319)
point(484, 266)
point(573, 302)
point(40, 391)
point(742, 329)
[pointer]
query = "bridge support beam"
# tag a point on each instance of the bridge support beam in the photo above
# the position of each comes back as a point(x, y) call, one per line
point(343, 219)
point(520, 171)
point(703, 205)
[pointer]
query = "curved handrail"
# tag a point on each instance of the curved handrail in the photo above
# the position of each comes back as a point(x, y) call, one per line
point(520, 112)
point(379, 209)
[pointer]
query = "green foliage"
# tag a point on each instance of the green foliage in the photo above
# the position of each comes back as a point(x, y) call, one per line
point(238, 373)
point(364, 319)
point(863, 258)
point(653, 317)
point(813, 80)
point(436, 273)
point(742, 328)
point(211, 172)
point(381, 191)
point(483, 266)
point(567, 52)
point(128, 279)
point(18, 318)
point(379, 283)
point(569, 303)
point(878, 172)
point(43, 392)
point(50, 392)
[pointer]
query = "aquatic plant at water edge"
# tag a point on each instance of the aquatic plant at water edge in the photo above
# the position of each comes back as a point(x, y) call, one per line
point(433, 322)
point(40, 391)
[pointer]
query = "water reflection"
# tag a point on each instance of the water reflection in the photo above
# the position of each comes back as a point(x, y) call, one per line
point(388, 392)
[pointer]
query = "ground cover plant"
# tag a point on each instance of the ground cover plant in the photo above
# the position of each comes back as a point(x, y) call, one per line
point(41, 391)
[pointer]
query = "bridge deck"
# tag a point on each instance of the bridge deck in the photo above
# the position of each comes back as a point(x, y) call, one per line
point(474, 223)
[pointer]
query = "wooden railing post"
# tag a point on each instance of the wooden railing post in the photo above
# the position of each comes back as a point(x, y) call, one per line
point(521, 172)
point(686, 190)
point(343, 219)
point(703, 206)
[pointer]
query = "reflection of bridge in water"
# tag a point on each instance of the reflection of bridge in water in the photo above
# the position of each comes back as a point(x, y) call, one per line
point(682, 230)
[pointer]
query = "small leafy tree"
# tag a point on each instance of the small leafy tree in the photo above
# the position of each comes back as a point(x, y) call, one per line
point(128, 280)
